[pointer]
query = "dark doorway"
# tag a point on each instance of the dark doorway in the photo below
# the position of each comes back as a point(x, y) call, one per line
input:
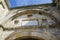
point(28, 38)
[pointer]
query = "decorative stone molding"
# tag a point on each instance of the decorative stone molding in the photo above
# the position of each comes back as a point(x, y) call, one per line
point(46, 35)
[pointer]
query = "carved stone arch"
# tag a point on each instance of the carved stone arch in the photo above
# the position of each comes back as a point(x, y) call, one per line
point(26, 11)
point(31, 11)
point(28, 34)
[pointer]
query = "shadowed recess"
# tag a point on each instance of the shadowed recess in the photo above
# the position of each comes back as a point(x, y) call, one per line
point(28, 38)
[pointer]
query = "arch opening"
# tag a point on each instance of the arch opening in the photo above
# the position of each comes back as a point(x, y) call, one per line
point(28, 38)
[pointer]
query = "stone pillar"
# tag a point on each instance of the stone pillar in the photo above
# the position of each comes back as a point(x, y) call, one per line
point(57, 4)
point(1, 31)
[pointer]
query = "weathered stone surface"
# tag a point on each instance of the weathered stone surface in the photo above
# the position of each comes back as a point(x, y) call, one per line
point(8, 31)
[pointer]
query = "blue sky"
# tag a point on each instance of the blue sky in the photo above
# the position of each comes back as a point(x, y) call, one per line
point(18, 3)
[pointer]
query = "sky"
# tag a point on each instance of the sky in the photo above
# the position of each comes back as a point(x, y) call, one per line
point(19, 3)
point(0, 0)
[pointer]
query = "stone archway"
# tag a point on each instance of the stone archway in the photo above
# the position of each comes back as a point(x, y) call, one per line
point(30, 14)
point(33, 35)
